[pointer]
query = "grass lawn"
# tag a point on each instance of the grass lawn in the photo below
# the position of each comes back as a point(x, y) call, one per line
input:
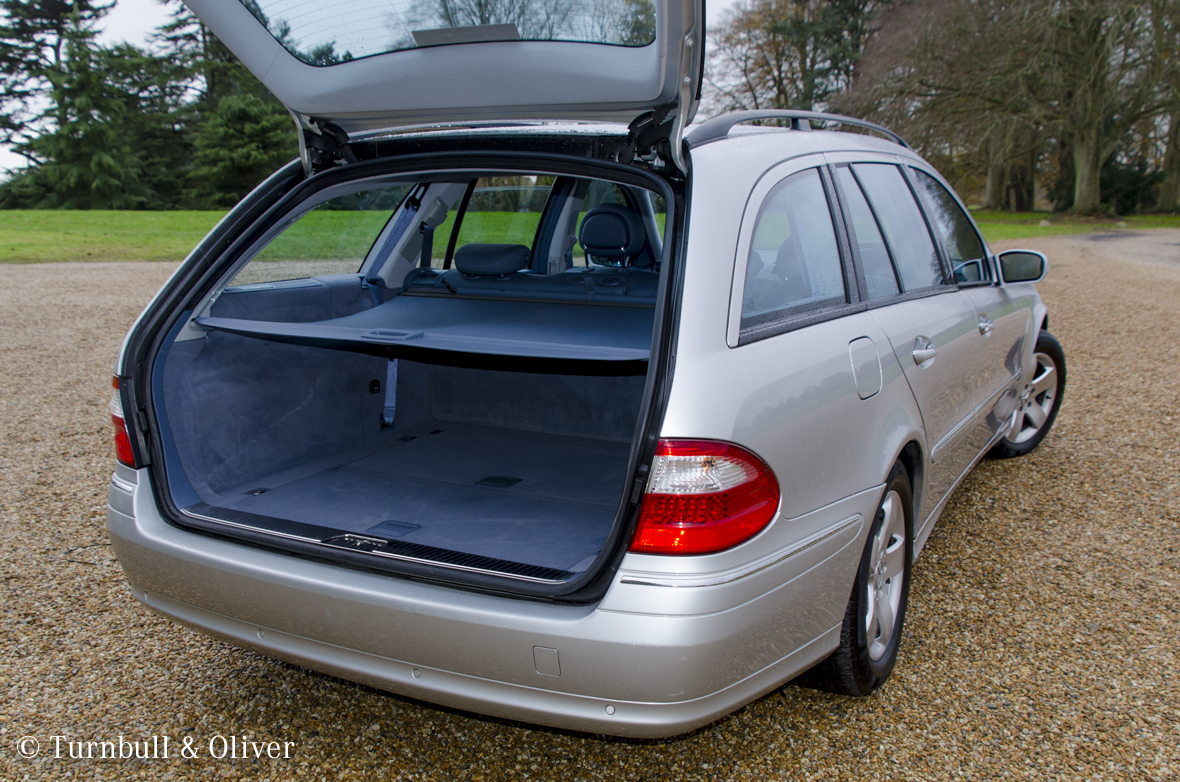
point(46, 236)
point(997, 226)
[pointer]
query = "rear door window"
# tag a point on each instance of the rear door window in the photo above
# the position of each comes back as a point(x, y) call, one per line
point(963, 246)
point(793, 265)
point(880, 276)
point(904, 226)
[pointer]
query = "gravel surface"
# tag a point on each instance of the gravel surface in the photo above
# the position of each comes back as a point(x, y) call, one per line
point(1041, 640)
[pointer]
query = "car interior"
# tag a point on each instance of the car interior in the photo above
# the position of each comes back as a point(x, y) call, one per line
point(474, 407)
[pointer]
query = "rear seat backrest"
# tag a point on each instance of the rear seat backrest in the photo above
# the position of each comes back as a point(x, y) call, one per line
point(492, 260)
point(501, 270)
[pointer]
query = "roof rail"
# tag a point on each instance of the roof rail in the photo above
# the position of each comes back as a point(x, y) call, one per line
point(719, 127)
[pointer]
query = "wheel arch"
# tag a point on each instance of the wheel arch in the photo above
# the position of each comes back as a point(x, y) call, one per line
point(1040, 320)
point(912, 460)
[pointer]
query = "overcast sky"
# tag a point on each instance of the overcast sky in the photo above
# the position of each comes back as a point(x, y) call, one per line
point(134, 20)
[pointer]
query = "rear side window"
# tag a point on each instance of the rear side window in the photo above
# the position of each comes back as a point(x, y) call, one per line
point(794, 261)
point(880, 278)
point(333, 238)
point(501, 210)
point(905, 228)
point(963, 245)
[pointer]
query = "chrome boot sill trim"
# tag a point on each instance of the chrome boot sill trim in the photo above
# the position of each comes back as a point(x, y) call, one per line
point(339, 540)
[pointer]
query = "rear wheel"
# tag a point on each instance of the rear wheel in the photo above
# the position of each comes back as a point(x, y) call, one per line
point(871, 632)
point(1039, 402)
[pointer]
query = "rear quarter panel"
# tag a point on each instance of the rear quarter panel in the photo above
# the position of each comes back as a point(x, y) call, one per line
point(790, 398)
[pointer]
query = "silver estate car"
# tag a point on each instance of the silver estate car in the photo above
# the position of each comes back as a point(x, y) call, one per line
point(521, 393)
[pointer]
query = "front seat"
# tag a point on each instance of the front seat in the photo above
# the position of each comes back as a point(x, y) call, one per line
point(611, 234)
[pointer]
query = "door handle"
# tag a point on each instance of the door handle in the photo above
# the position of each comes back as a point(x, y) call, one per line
point(985, 325)
point(924, 350)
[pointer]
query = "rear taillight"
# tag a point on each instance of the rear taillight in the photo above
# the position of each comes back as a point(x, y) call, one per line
point(704, 496)
point(122, 438)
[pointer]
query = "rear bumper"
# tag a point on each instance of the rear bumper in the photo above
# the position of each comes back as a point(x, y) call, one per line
point(657, 657)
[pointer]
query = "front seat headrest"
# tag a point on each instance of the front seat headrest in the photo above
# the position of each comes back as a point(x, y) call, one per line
point(611, 231)
point(491, 260)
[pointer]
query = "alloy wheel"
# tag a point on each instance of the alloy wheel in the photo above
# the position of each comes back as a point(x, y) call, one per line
point(1036, 403)
point(886, 577)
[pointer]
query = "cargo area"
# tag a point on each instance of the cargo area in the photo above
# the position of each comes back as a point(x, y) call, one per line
point(520, 471)
point(352, 385)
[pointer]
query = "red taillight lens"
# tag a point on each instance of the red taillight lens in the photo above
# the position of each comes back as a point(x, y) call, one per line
point(122, 439)
point(704, 496)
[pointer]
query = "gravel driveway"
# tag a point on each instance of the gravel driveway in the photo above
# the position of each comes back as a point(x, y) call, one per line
point(1041, 639)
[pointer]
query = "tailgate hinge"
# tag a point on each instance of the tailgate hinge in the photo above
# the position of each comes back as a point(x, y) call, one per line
point(322, 145)
point(648, 135)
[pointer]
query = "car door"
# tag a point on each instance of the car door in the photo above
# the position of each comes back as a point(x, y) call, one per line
point(811, 370)
point(1003, 319)
point(930, 323)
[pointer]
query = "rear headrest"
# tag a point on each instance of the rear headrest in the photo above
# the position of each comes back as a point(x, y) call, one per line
point(611, 231)
point(488, 260)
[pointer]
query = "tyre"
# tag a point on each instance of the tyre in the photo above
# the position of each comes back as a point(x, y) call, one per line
point(1039, 402)
point(871, 632)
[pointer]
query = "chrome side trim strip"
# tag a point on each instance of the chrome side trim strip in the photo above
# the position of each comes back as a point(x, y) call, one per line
point(928, 525)
point(951, 437)
point(757, 566)
point(122, 485)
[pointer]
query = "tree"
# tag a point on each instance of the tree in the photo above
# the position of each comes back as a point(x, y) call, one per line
point(89, 162)
point(1013, 148)
point(789, 53)
point(157, 117)
point(1084, 72)
point(1104, 71)
point(237, 146)
point(33, 43)
point(1169, 198)
point(209, 67)
point(1169, 49)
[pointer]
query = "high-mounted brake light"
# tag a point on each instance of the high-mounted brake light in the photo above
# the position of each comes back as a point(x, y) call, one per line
point(704, 496)
point(122, 437)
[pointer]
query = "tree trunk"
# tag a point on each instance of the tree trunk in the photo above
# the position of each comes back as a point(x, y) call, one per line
point(1087, 167)
point(1170, 189)
point(997, 173)
point(1024, 184)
